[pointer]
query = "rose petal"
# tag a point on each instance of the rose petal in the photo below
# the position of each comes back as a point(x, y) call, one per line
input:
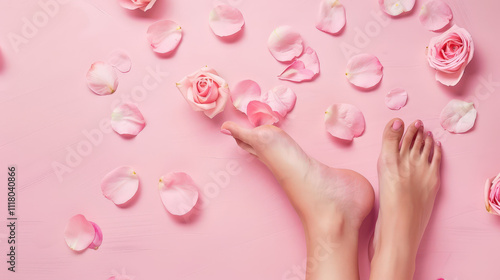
point(126, 119)
point(79, 233)
point(331, 16)
point(396, 7)
point(487, 189)
point(435, 14)
point(120, 185)
point(164, 36)
point(244, 92)
point(364, 70)
point(120, 60)
point(285, 44)
point(396, 99)
point(281, 99)
point(178, 193)
point(149, 6)
point(302, 69)
point(97, 238)
point(225, 20)
point(260, 113)
point(458, 116)
point(102, 78)
point(344, 121)
point(450, 79)
point(144, 5)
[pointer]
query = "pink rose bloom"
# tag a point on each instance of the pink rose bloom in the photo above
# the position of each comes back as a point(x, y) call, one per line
point(137, 4)
point(449, 53)
point(205, 91)
point(492, 195)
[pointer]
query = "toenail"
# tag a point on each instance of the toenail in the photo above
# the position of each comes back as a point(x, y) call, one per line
point(438, 144)
point(225, 131)
point(429, 133)
point(418, 124)
point(396, 125)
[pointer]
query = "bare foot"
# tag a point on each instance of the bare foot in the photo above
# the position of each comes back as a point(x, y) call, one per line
point(409, 180)
point(332, 203)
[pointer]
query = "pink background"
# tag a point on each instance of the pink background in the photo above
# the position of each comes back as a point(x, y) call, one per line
point(245, 229)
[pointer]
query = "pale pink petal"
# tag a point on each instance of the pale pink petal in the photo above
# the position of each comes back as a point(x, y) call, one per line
point(344, 121)
point(102, 78)
point(120, 185)
point(164, 36)
point(120, 60)
point(458, 116)
point(79, 233)
point(244, 92)
point(260, 113)
point(450, 79)
point(304, 68)
point(396, 99)
point(129, 4)
point(396, 7)
point(281, 99)
point(435, 14)
point(364, 70)
point(487, 189)
point(97, 238)
point(331, 16)
point(178, 193)
point(225, 20)
point(126, 119)
point(285, 44)
point(148, 6)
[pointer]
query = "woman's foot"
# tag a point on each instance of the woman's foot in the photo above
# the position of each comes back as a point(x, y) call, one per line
point(409, 178)
point(332, 203)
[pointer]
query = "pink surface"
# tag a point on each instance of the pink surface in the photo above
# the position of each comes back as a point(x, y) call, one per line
point(246, 228)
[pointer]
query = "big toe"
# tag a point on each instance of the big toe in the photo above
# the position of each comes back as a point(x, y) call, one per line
point(392, 136)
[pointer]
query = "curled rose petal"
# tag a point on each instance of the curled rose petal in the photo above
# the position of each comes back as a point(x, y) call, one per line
point(120, 60)
point(303, 69)
point(458, 116)
point(396, 99)
point(281, 99)
point(396, 7)
point(164, 36)
point(435, 14)
point(331, 17)
point(102, 78)
point(244, 92)
point(79, 233)
point(126, 119)
point(285, 44)
point(144, 5)
point(120, 185)
point(364, 70)
point(97, 238)
point(260, 113)
point(344, 121)
point(225, 20)
point(178, 193)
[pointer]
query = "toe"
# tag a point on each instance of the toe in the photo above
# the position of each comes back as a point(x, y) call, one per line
point(418, 143)
point(392, 136)
point(410, 135)
point(428, 145)
point(436, 157)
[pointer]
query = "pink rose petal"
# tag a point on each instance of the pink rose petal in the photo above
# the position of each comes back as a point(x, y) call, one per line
point(225, 20)
point(178, 193)
point(120, 60)
point(396, 7)
point(102, 78)
point(120, 185)
point(396, 99)
point(304, 68)
point(458, 116)
point(364, 70)
point(79, 233)
point(97, 238)
point(344, 121)
point(144, 5)
point(331, 16)
point(281, 99)
point(126, 119)
point(164, 36)
point(435, 14)
point(260, 113)
point(285, 44)
point(244, 92)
